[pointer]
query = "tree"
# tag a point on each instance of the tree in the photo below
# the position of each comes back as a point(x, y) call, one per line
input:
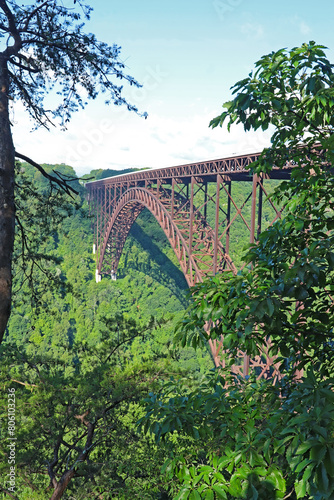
point(286, 290)
point(46, 49)
point(76, 407)
point(246, 442)
point(273, 442)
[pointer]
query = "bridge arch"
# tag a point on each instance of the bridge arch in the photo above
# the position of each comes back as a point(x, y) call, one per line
point(128, 208)
point(200, 235)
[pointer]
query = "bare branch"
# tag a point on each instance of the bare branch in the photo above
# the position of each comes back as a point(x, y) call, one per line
point(24, 383)
point(60, 180)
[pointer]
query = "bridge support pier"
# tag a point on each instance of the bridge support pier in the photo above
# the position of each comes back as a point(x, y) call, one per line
point(98, 276)
point(113, 275)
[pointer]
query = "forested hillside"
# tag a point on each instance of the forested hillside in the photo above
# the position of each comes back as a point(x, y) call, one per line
point(62, 320)
point(149, 284)
point(68, 333)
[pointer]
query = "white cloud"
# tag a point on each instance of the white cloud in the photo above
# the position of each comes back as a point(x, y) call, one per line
point(304, 28)
point(252, 30)
point(122, 140)
point(299, 24)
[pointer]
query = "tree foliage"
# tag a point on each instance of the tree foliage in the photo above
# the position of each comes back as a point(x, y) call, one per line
point(44, 49)
point(47, 50)
point(264, 441)
point(67, 337)
point(247, 442)
point(292, 91)
point(285, 292)
point(76, 404)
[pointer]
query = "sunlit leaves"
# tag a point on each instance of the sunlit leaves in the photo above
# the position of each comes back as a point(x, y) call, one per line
point(286, 290)
point(76, 407)
point(291, 90)
point(257, 445)
point(267, 447)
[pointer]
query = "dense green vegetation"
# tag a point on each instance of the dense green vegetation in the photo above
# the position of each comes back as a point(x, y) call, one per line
point(64, 60)
point(146, 269)
point(108, 406)
point(265, 441)
point(74, 346)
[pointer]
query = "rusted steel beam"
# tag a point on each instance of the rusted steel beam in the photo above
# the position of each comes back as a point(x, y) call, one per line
point(236, 167)
point(228, 218)
point(259, 217)
point(191, 216)
point(216, 238)
point(253, 212)
point(179, 198)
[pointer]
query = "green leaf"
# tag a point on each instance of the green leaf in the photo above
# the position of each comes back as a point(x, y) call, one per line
point(261, 471)
point(194, 495)
point(277, 479)
point(318, 452)
point(253, 490)
point(300, 488)
point(308, 472)
point(271, 308)
point(208, 495)
point(329, 461)
point(220, 492)
point(304, 447)
point(323, 478)
point(183, 494)
point(205, 468)
point(302, 465)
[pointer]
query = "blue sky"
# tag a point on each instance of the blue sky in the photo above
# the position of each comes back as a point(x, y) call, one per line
point(187, 54)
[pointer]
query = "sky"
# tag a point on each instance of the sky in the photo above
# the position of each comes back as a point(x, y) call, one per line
point(187, 54)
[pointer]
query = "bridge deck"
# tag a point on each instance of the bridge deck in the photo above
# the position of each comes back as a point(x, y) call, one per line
point(231, 168)
point(200, 212)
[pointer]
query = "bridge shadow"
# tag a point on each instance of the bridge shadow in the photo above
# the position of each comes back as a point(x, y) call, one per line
point(166, 273)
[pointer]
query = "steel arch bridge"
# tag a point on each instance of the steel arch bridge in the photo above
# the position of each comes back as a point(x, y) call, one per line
point(197, 205)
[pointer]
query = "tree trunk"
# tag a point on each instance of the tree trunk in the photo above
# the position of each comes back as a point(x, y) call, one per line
point(7, 207)
point(62, 485)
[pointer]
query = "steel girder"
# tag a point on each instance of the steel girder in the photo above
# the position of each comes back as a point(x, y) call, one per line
point(200, 216)
point(191, 237)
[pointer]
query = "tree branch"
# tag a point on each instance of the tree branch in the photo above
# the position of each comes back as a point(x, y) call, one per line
point(24, 383)
point(60, 181)
point(51, 465)
point(12, 49)
point(34, 110)
point(31, 15)
point(8, 493)
point(24, 68)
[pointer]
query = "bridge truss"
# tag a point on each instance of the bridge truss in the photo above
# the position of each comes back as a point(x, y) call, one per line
point(201, 209)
